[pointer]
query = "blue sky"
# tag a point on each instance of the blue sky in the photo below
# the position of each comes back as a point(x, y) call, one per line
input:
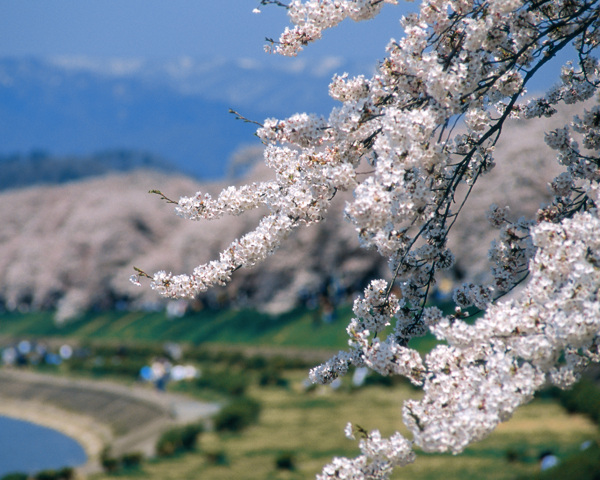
point(159, 29)
point(201, 29)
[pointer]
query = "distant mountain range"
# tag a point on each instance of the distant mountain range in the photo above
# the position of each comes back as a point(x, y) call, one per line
point(41, 168)
point(178, 110)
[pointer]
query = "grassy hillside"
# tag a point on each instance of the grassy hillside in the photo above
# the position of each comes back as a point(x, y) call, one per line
point(301, 328)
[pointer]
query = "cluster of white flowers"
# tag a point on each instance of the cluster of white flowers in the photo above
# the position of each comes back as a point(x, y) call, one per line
point(589, 126)
point(379, 457)
point(469, 294)
point(489, 368)
point(312, 17)
point(247, 251)
point(510, 254)
point(494, 365)
point(496, 215)
point(392, 142)
point(233, 201)
point(344, 90)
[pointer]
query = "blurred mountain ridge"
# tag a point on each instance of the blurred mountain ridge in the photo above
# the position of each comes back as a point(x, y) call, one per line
point(176, 109)
point(42, 168)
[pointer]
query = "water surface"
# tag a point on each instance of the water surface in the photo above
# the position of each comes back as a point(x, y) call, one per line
point(29, 448)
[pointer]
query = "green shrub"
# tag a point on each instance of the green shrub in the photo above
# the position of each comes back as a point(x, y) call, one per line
point(66, 473)
point(246, 361)
point(189, 436)
point(216, 457)
point(513, 455)
point(109, 463)
point(132, 460)
point(584, 398)
point(236, 358)
point(178, 439)
point(45, 475)
point(15, 476)
point(375, 378)
point(238, 415)
point(272, 376)
point(289, 363)
point(117, 366)
point(166, 445)
point(224, 381)
point(285, 461)
point(256, 362)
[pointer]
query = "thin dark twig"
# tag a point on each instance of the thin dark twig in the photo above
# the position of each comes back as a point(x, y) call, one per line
point(239, 116)
point(163, 196)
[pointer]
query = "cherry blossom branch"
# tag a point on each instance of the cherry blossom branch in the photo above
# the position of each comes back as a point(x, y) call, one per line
point(469, 62)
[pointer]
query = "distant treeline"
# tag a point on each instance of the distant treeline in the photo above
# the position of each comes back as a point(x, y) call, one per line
point(39, 167)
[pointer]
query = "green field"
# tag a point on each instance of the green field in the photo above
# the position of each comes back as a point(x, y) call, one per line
point(300, 328)
point(309, 425)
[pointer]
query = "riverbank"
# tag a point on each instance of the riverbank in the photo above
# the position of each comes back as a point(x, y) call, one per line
point(97, 413)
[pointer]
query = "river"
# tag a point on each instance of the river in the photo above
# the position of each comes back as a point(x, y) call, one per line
point(29, 448)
